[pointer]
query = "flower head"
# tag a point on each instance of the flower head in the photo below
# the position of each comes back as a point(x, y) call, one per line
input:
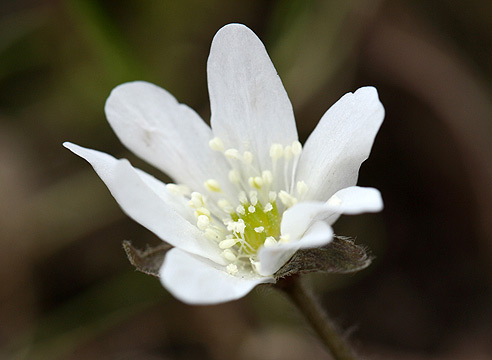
point(247, 195)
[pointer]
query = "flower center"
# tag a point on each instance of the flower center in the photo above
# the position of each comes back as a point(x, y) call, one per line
point(241, 225)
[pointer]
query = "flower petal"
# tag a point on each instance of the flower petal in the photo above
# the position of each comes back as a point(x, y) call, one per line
point(171, 136)
point(351, 201)
point(250, 107)
point(340, 143)
point(274, 257)
point(355, 200)
point(140, 201)
point(195, 280)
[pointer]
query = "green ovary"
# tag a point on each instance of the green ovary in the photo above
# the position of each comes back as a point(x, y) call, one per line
point(270, 221)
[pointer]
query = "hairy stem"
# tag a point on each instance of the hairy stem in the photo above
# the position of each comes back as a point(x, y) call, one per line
point(317, 317)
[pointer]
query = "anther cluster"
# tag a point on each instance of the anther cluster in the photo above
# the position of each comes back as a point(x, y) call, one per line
point(240, 226)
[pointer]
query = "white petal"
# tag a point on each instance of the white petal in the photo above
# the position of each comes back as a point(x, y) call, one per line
point(171, 136)
point(145, 206)
point(332, 155)
point(274, 257)
point(250, 107)
point(355, 200)
point(195, 280)
point(351, 201)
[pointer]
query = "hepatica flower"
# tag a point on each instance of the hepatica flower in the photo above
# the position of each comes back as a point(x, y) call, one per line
point(246, 194)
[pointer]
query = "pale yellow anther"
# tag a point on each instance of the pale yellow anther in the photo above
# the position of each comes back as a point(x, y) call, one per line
point(248, 157)
point(242, 197)
point(301, 188)
point(227, 243)
point(173, 188)
point(268, 207)
point(212, 185)
point(216, 144)
point(296, 148)
point(267, 177)
point(259, 229)
point(196, 200)
point(240, 226)
point(272, 195)
point(225, 206)
point(276, 151)
point(284, 239)
point(253, 197)
point(232, 269)
point(255, 182)
point(240, 210)
point(334, 201)
point(203, 222)
point(232, 154)
point(288, 152)
point(270, 241)
point(228, 255)
point(251, 209)
point(287, 199)
point(202, 211)
point(212, 234)
point(234, 177)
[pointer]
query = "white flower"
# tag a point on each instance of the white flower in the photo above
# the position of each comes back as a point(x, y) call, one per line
point(246, 195)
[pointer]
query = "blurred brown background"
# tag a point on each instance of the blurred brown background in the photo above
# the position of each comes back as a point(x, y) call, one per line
point(67, 290)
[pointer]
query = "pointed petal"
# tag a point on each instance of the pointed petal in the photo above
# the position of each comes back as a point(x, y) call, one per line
point(153, 210)
point(249, 105)
point(351, 201)
point(171, 136)
point(340, 143)
point(195, 280)
point(274, 257)
point(355, 200)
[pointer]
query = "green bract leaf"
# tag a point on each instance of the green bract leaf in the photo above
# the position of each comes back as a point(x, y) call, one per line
point(341, 256)
point(148, 261)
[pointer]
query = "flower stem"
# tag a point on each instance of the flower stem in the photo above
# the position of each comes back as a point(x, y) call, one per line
point(317, 317)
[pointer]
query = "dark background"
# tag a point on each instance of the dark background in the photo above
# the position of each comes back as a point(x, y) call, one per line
point(67, 290)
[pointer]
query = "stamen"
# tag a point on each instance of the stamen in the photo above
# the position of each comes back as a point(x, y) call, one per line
point(229, 255)
point(212, 234)
point(255, 182)
point(253, 197)
point(267, 177)
point(287, 199)
point(202, 211)
point(234, 177)
point(196, 200)
point(203, 222)
point(296, 148)
point(301, 188)
point(288, 154)
point(268, 207)
point(276, 151)
point(248, 157)
point(227, 243)
point(259, 229)
point(242, 197)
point(225, 206)
point(240, 210)
point(212, 185)
point(232, 154)
point(174, 189)
point(270, 241)
point(251, 209)
point(284, 239)
point(216, 144)
point(272, 195)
